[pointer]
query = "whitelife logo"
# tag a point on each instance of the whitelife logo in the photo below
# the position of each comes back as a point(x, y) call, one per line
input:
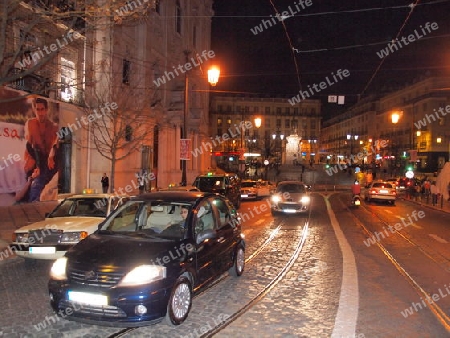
point(317, 88)
point(404, 41)
point(265, 24)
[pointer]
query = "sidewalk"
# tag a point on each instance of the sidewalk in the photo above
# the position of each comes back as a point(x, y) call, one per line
point(16, 216)
point(442, 205)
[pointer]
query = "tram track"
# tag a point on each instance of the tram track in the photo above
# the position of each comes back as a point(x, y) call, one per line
point(437, 311)
point(261, 294)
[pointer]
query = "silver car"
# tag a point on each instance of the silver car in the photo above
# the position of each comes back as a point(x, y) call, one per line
point(290, 197)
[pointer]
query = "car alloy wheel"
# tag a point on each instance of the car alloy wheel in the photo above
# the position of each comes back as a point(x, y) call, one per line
point(180, 302)
point(238, 263)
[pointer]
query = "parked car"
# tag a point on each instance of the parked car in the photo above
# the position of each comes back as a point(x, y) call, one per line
point(225, 184)
point(248, 190)
point(72, 220)
point(146, 261)
point(393, 181)
point(381, 191)
point(290, 197)
point(181, 188)
point(264, 188)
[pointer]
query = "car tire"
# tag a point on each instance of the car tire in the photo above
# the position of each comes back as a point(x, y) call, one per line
point(180, 302)
point(238, 262)
point(238, 203)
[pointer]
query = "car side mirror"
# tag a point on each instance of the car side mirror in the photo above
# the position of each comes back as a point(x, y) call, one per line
point(206, 235)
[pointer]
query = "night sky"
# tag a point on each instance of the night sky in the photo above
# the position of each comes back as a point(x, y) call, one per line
point(351, 32)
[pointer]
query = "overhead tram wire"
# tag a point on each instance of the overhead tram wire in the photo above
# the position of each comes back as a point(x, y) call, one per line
point(412, 6)
point(290, 44)
point(332, 12)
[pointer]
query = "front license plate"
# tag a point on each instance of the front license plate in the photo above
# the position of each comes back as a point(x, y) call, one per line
point(290, 211)
point(87, 298)
point(42, 250)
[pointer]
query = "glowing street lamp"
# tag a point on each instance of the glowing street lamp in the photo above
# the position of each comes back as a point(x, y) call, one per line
point(258, 122)
point(213, 75)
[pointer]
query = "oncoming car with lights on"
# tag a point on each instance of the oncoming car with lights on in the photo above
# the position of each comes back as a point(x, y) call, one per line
point(290, 197)
point(72, 220)
point(148, 259)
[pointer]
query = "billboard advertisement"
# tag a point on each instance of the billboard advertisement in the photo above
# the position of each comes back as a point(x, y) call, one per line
point(28, 155)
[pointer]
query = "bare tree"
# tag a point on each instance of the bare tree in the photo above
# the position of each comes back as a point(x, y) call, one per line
point(120, 119)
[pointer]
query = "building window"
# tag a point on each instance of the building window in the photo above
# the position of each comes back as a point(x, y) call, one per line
point(128, 133)
point(256, 109)
point(194, 36)
point(228, 121)
point(313, 124)
point(267, 110)
point(219, 122)
point(278, 110)
point(247, 109)
point(219, 131)
point(278, 123)
point(267, 123)
point(219, 108)
point(288, 110)
point(296, 111)
point(126, 66)
point(178, 17)
point(294, 124)
point(68, 79)
point(287, 123)
point(238, 109)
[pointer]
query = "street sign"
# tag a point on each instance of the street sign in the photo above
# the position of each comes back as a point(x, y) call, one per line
point(185, 149)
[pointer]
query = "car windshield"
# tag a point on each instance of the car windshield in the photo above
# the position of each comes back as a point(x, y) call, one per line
point(151, 219)
point(291, 188)
point(209, 183)
point(85, 206)
point(382, 185)
point(248, 184)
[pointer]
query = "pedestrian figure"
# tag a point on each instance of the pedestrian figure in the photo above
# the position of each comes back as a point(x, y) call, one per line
point(434, 193)
point(105, 183)
point(448, 188)
point(427, 187)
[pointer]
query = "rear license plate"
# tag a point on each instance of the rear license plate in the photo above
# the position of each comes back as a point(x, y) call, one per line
point(42, 250)
point(383, 191)
point(244, 195)
point(87, 298)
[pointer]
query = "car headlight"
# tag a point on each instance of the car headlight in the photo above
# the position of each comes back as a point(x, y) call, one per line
point(73, 237)
point(20, 237)
point(58, 270)
point(276, 198)
point(143, 274)
point(305, 199)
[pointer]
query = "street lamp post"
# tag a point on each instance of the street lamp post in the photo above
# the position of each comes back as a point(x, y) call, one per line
point(351, 137)
point(213, 78)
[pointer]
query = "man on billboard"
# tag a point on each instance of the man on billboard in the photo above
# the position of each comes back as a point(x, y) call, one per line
point(40, 153)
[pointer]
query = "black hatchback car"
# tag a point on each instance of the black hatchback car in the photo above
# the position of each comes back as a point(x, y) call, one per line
point(225, 184)
point(148, 259)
